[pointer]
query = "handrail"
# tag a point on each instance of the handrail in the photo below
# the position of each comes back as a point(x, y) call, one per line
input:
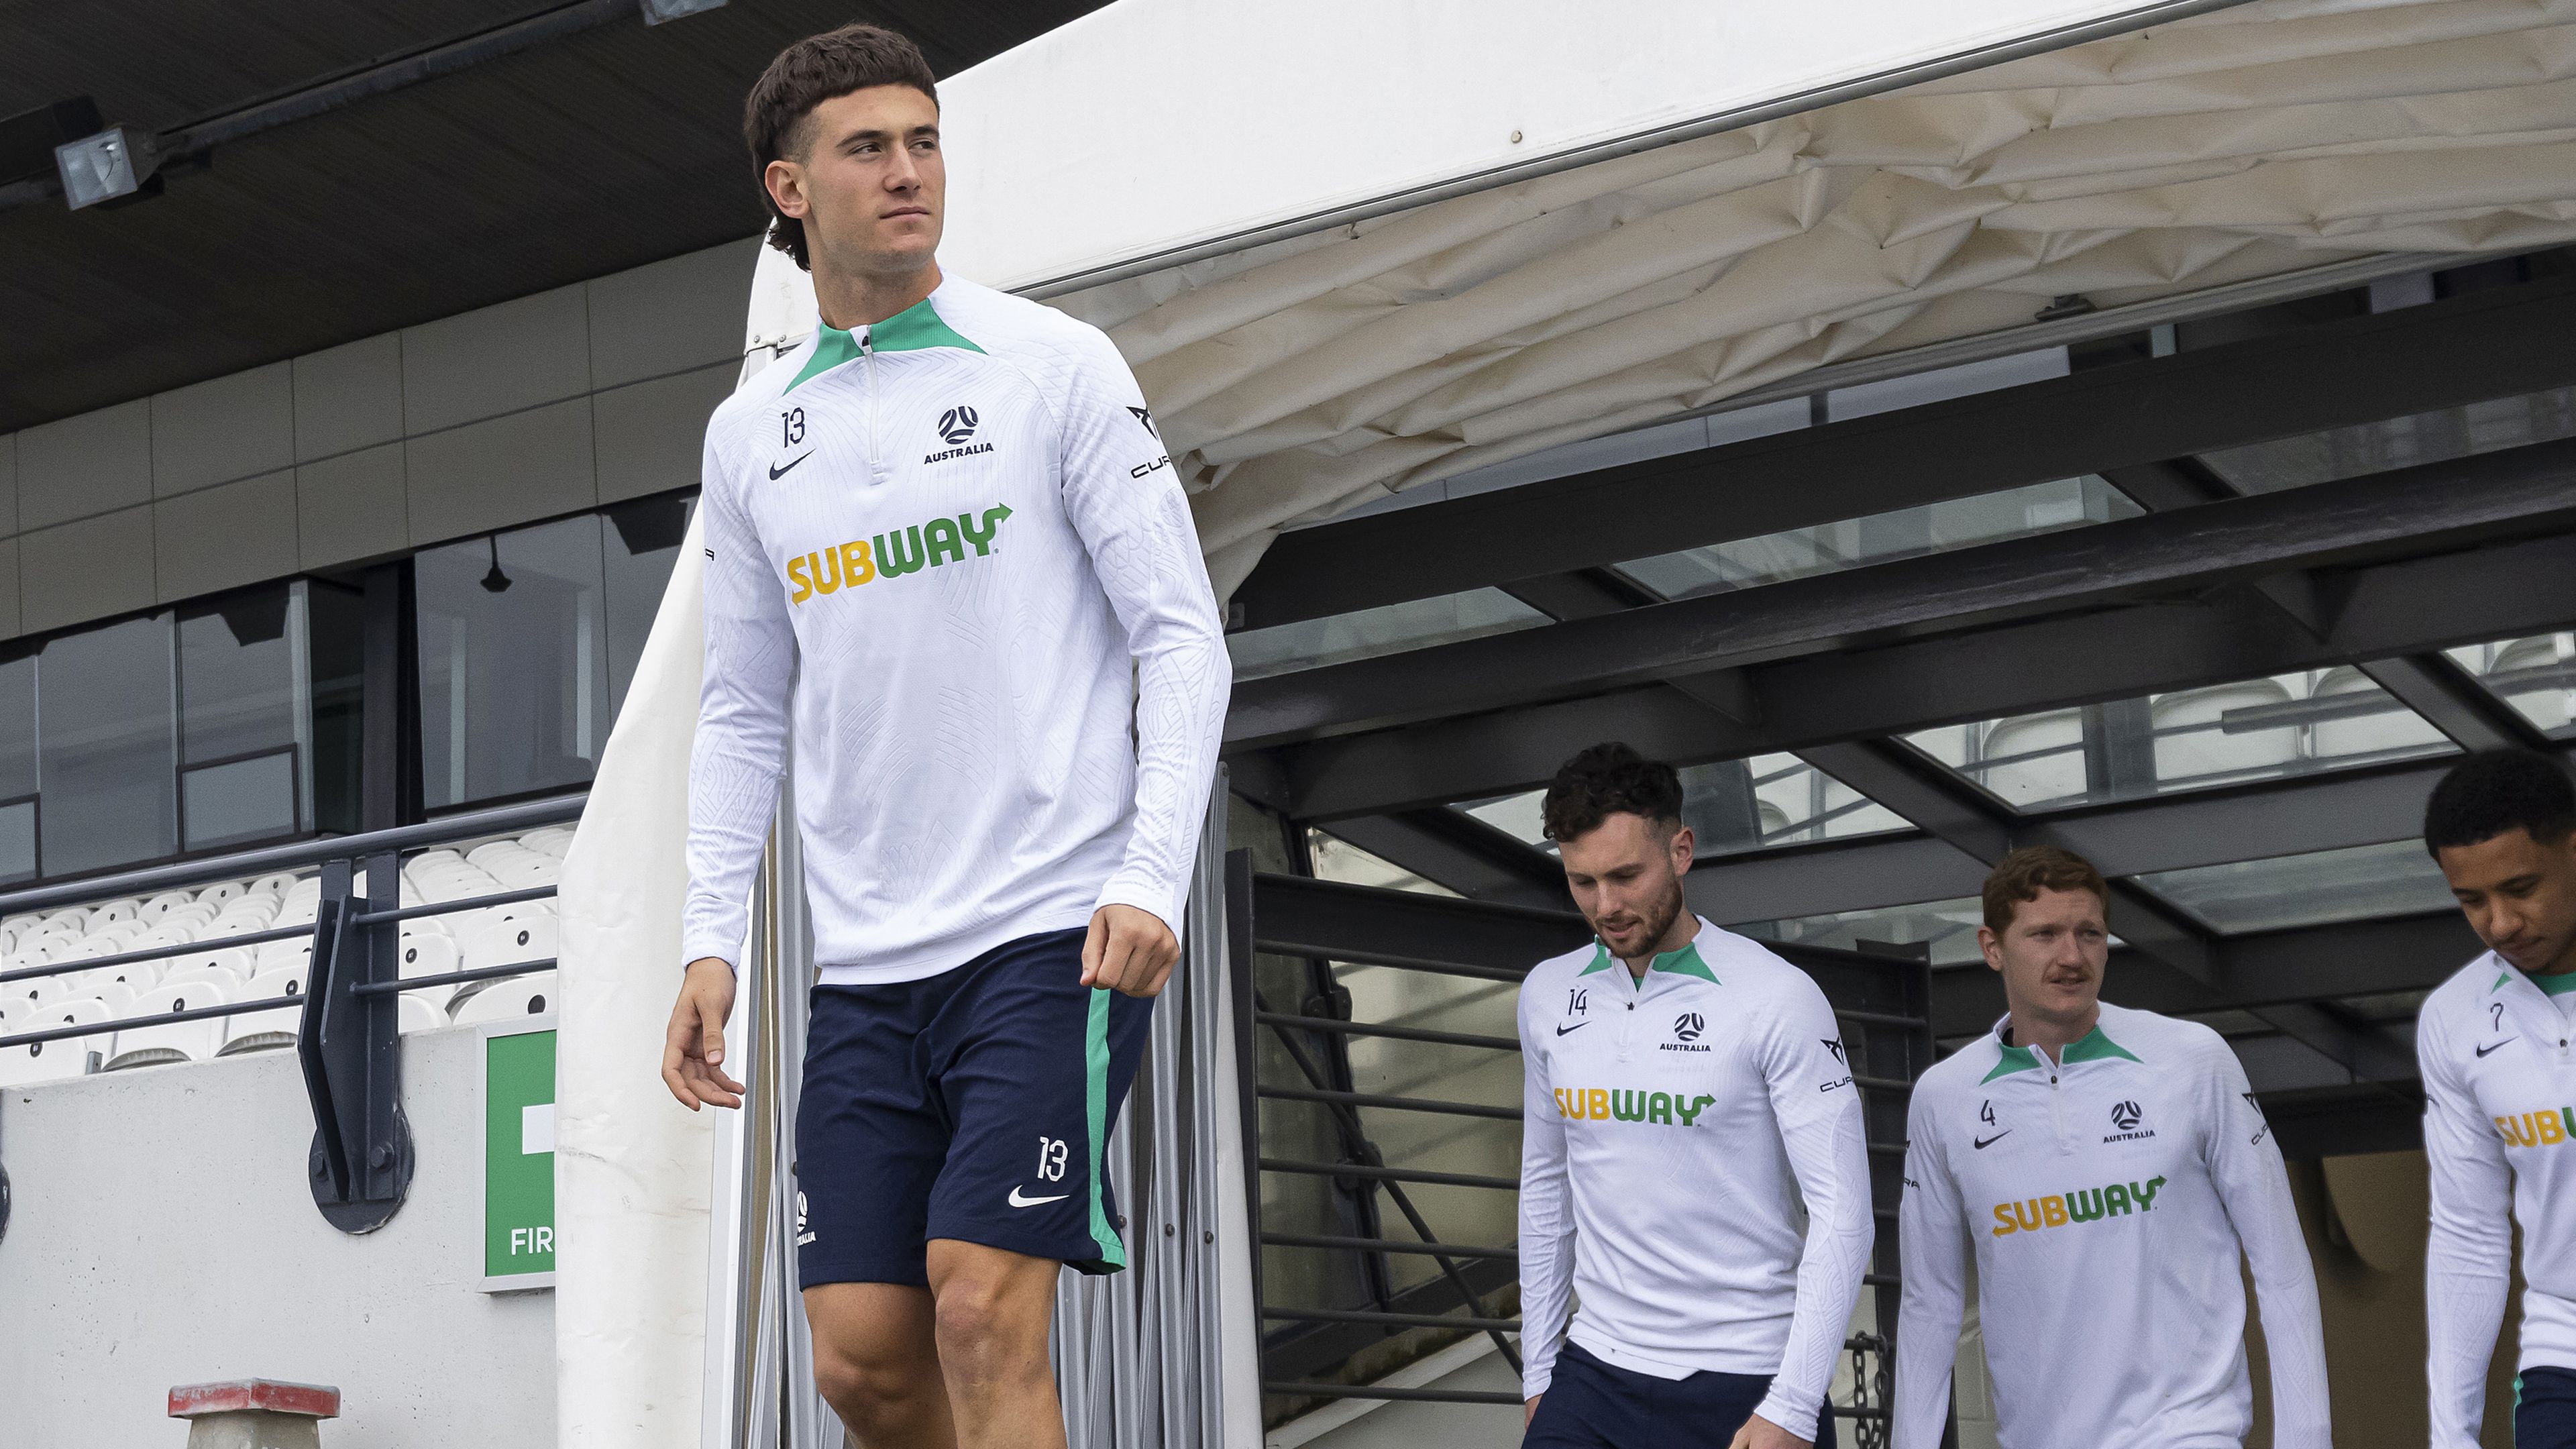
point(500, 820)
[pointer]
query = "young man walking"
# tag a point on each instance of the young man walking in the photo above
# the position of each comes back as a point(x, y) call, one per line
point(2500, 1097)
point(1685, 1090)
point(949, 521)
point(2109, 1166)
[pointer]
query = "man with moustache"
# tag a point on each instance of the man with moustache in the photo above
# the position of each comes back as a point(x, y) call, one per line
point(2500, 1097)
point(1684, 1090)
point(2108, 1165)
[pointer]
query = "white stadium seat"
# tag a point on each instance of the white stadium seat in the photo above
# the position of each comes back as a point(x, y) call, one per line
point(419, 1015)
point(287, 954)
point(118, 996)
point(36, 991)
point(428, 956)
point(137, 976)
point(508, 942)
point(166, 902)
point(49, 1061)
point(2055, 775)
point(509, 1000)
point(123, 910)
point(236, 963)
point(262, 1030)
point(177, 1041)
point(75, 920)
point(219, 893)
point(2214, 751)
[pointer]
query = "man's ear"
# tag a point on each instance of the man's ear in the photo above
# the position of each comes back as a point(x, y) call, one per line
point(1684, 846)
point(785, 183)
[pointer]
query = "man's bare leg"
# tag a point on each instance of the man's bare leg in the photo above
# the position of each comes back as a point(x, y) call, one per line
point(993, 1311)
point(876, 1359)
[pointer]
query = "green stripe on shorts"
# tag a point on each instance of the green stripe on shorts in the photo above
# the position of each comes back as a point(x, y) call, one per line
point(1095, 1110)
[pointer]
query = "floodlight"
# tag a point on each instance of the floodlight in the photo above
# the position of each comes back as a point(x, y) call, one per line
point(103, 167)
point(657, 11)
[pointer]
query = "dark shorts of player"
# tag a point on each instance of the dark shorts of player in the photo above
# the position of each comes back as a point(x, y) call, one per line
point(1594, 1405)
point(2544, 1409)
point(974, 1105)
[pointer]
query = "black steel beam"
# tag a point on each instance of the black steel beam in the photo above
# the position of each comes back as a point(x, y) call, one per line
point(1816, 880)
point(2313, 963)
point(1461, 852)
point(2431, 508)
point(1297, 916)
point(2454, 703)
point(2490, 344)
point(2389, 609)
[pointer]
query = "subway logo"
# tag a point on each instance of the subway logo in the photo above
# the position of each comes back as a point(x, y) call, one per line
point(2548, 1127)
point(1604, 1104)
point(893, 554)
point(2091, 1205)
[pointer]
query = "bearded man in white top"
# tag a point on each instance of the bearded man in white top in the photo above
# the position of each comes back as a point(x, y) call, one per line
point(1685, 1091)
point(2109, 1166)
point(945, 539)
point(2500, 1097)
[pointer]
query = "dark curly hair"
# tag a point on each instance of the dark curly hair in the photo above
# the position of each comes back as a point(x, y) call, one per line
point(1605, 780)
point(2494, 791)
point(805, 75)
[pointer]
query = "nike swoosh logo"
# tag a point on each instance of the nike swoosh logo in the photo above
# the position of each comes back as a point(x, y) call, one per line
point(1578, 1026)
point(776, 469)
point(1985, 1142)
point(2508, 1041)
point(1019, 1201)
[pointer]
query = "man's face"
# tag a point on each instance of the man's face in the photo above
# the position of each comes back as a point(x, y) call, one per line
point(1626, 876)
point(2052, 955)
point(868, 182)
point(2519, 895)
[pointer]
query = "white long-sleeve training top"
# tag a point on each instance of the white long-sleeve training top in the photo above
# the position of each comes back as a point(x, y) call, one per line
point(2499, 1129)
point(2107, 1195)
point(1671, 1126)
point(959, 534)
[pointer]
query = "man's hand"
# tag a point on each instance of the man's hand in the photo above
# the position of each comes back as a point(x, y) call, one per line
point(1128, 950)
point(693, 1049)
point(1761, 1433)
point(1529, 1409)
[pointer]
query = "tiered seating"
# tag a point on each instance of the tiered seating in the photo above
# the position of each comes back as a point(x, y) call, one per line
point(204, 968)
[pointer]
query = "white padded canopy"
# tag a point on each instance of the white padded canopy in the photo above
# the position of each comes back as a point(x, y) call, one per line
point(1310, 375)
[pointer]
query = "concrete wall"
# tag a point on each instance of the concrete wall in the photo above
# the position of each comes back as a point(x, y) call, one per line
point(162, 1234)
point(545, 405)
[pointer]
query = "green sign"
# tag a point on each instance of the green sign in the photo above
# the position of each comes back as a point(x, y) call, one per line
point(518, 1159)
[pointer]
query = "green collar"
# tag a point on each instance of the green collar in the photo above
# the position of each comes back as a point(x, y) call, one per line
point(2093, 1046)
point(2558, 985)
point(1685, 962)
point(914, 328)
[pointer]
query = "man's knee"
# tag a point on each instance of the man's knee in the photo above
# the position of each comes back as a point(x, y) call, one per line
point(867, 1379)
point(991, 1318)
point(872, 1351)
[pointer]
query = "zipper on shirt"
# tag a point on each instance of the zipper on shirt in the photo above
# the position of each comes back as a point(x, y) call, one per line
point(868, 359)
point(2057, 1106)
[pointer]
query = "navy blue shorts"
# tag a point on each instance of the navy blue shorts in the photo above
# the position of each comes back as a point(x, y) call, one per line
point(1594, 1405)
point(2544, 1409)
point(973, 1105)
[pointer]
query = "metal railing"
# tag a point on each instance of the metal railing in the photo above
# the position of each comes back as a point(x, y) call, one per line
point(347, 1034)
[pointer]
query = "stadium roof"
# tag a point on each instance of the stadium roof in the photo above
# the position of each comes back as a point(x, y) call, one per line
point(570, 141)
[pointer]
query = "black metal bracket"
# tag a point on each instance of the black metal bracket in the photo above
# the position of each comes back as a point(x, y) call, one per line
point(350, 1047)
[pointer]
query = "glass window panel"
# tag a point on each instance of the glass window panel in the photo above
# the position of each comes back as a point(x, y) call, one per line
point(641, 544)
point(18, 726)
point(18, 841)
point(239, 800)
point(513, 662)
point(2190, 739)
point(1366, 633)
point(2480, 427)
point(1948, 927)
point(1731, 806)
point(243, 691)
point(336, 669)
point(2536, 676)
point(107, 746)
point(1882, 537)
point(2360, 883)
